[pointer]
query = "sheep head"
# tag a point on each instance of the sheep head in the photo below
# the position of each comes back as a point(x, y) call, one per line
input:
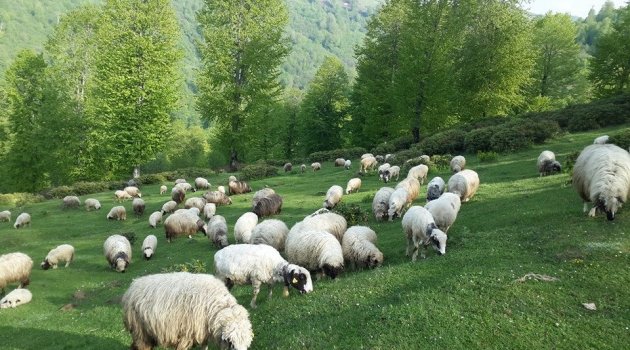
point(298, 278)
point(332, 271)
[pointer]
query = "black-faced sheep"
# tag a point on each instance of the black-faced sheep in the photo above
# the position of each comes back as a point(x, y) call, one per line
point(71, 202)
point(444, 210)
point(458, 163)
point(465, 184)
point(181, 310)
point(340, 162)
point(178, 224)
point(178, 194)
point(316, 166)
point(359, 247)
point(318, 251)
point(354, 185)
point(15, 267)
point(381, 170)
point(117, 251)
point(287, 167)
point(238, 187)
point(421, 231)
point(200, 182)
point(244, 226)
point(117, 213)
point(133, 191)
point(24, 219)
point(270, 232)
point(380, 203)
point(333, 196)
point(5, 216)
point(59, 254)
point(547, 163)
point(138, 206)
point(218, 231)
point(217, 197)
point(16, 298)
point(267, 206)
point(148, 246)
point(390, 173)
point(92, 204)
point(435, 188)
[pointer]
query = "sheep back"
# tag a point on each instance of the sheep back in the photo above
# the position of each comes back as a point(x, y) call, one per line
point(184, 223)
point(24, 219)
point(271, 232)
point(333, 196)
point(354, 185)
point(148, 246)
point(16, 298)
point(244, 226)
point(380, 203)
point(458, 163)
point(5, 216)
point(435, 188)
point(71, 202)
point(465, 184)
point(218, 231)
point(118, 213)
point(117, 251)
point(444, 210)
point(238, 187)
point(316, 251)
point(332, 223)
point(359, 247)
point(15, 267)
point(92, 203)
point(217, 197)
point(138, 206)
point(269, 205)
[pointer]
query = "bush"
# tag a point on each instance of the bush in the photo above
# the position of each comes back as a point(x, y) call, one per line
point(383, 149)
point(83, 188)
point(151, 179)
point(487, 157)
point(441, 162)
point(20, 199)
point(258, 171)
point(570, 162)
point(621, 139)
point(536, 131)
point(353, 213)
point(507, 139)
point(449, 141)
point(277, 162)
point(345, 153)
point(190, 174)
point(59, 192)
point(401, 157)
point(479, 139)
point(116, 185)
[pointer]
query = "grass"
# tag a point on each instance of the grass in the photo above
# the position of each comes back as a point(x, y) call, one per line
point(516, 224)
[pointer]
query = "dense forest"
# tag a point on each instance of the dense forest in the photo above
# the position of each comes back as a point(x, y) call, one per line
point(93, 89)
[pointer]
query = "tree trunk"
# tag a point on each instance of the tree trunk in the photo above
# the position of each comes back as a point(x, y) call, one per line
point(233, 160)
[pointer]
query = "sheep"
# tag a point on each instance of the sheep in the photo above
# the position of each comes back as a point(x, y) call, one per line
point(217, 231)
point(117, 251)
point(178, 194)
point(155, 218)
point(366, 155)
point(15, 267)
point(424, 159)
point(186, 187)
point(316, 166)
point(287, 167)
point(601, 140)
point(138, 206)
point(194, 310)
point(380, 203)
point(180, 181)
point(92, 203)
point(118, 213)
point(390, 173)
point(388, 157)
point(333, 197)
point(354, 185)
point(318, 212)
point(238, 187)
point(340, 162)
point(178, 224)
point(5, 216)
point(163, 189)
point(412, 186)
point(257, 264)
point(133, 191)
point(465, 184)
point(332, 223)
point(458, 163)
point(435, 188)
point(601, 175)
point(232, 178)
point(367, 164)
point(359, 247)
point(420, 229)
point(200, 182)
point(397, 202)
point(191, 211)
point(270, 232)
point(120, 196)
point(379, 158)
point(62, 253)
point(444, 210)
point(148, 246)
point(260, 194)
point(195, 202)
point(267, 206)
point(24, 219)
point(547, 163)
point(16, 298)
point(347, 164)
point(381, 170)
point(221, 189)
point(169, 207)
point(302, 168)
point(71, 202)
point(244, 226)
point(317, 251)
point(419, 172)
point(209, 210)
point(217, 197)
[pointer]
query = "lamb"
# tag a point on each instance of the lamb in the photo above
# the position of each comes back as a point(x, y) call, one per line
point(163, 189)
point(458, 163)
point(169, 207)
point(287, 167)
point(155, 218)
point(302, 168)
point(15, 267)
point(317, 251)
point(270, 232)
point(465, 184)
point(185, 186)
point(221, 189)
point(397, 202)
point(390, 173)
point(194, 310)
point(547, 163)
point(267, 206)
point(200, 182)
point(380, 203)
point(435, 188)
point(178, 224)
point(92, 203)
point(347, 164)
point(24, 219)
point(133, 191)
point(62, 253)
point(5, 216)
point(258, 264)
point(138, 206)
point(238, 187)
point(601, 175)
point(117, 251)
point(332, 223)
point(217, 197)
point(316, 166)
point(120, 196)
point(178, 194)
point(16, 298)
point(367, 164)
point(148, 246)
point(244, 226)
point(419, 172)
point(71, 202)
point(444, 210)
point(333, 197)
point(354, 185)
point(601, 140)
point(420, 229)
point(340, 162)
point(412, 186)
point(217, 231)
point(359, 247)
point(381, 170)
point(118, 213)
point(195, 202)
point(209, 210)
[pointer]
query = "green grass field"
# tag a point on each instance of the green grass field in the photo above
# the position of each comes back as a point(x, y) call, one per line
point(469, 298)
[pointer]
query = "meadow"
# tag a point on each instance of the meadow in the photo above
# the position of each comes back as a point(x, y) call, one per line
point(518, 223)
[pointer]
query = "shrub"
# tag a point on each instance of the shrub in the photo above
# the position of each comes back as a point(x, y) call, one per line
point(403, 156)
point(116, 185)
point(59, 192)
point(191, 173)
point(83, 188)
point(353, 213)
point(258, 171)
point(403, 142)
point(19, 199)
point(277, 162)
point(151, 179)
point(507, 139)
point(570, 162)
point(441, 161)
point(536, 131)
point(383, 149)
point(345, 153)
point(479, 139)
point(487, 157)
point(449, 141)
point(621, 139)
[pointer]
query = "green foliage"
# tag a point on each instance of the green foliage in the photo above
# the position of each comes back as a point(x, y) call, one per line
point(479, 139)
point(130, 235)
point(19, 199)
point(194, 266)
point(345, 153)
point(507, 139)
point(569, 162)
point(441, 161)
point(83, 187)
point(487, 157)
point(449, 141)
point(151, 179)
point(59, 192)
point(621, 139)
point(258, 171)
point(353, 213)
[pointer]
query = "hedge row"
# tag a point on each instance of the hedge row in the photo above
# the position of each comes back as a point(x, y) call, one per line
point(345, 153)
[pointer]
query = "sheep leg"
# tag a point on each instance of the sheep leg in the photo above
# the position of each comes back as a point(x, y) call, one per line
point(256, 286)
point(55, 266)
point(409, 246)
point(285, 291)
point(270, 290)
point(592, 212)
point(25, 282)
point(585, 207)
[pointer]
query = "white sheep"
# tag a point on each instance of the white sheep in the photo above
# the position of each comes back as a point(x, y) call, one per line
point(302, 168)
point(221, 189)
point(317, 251)
point(397, 202)
point(184, 223)
point(209, 210)
point(5, 216)
point(169, 207)
point(148, 246)
point(354, 185)
point(380, 203)
point(412, 186)
point(71, 202)
point(465, 184)
point(333, 196)
point(366, 155)
point(435, 188)
point(444, 210)
point(218, 231)
point(15, 267)
point(244, 226)
point(347, 164)
point(458, 163)
point(191, 211)
point(195, 202)
point(92, 203)
point(390, 173)
point(24, 219)
point(389, 157)
point(547, 163)
point(270, 232)
point(180, 181)
point(332, 223)
point(316, 166)
point(118, 213)
point(133, 191)
point(419, 172)
point(256, 265)
point(117, 251)
point(382, 169)
point(379, 158)
point(16, 298)
point(194, 310)
point(59, 254)
point(120, 196)
point(601, 175)
point(155, 218)
point(601, 140)
point(261, 194)
point(163, 189)
point(421, 230)
point(232, 178)
point(340, 162)
point(359, 247)
point(138, 206)
point(367, 164)
point(287, 167)
point(200, 182)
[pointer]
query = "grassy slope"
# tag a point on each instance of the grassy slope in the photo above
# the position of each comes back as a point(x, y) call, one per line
point(517, 223)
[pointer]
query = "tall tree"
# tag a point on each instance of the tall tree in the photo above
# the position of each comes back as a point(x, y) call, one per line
point(242, 50)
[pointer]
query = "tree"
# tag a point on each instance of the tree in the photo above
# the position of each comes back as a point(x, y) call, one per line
point(242, 50)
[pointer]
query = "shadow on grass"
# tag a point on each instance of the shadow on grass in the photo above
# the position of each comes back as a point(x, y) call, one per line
point(32, 338)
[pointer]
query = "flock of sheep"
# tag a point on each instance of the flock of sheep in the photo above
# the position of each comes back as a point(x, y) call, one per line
point(196, 309)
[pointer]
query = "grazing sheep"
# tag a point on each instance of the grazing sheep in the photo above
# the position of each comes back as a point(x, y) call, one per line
point(255, 265)
point(347, 164)
point(318, 212)
point(169, 207)
point(200, 182)
point(317, 251)
point(15, 267)
point(195, 202)
point(118, 213)
point(218, 231)
point(381, 170)
point(120, 196)
point(92, 203)
point(419, 172)
point(367, 164)
point(359, 247)
point(302, 168)
point(244, 226)
point(163, 189)
point(5, 216)
point(388, 157)
point(24, 219)
point(435, 188)
point(332, 223)
point(267, 206)
point(465, 184)
point(444, 210)
point(397, 202)
point(155, 218)
point(340, 162)
point(366, 155)
point(133, 191)
point(180, 181)
point(260, 194)
point(380, 203)
point(287, 167)
point(547, 163)
point(188, 223)
point(412, 186)
point(16, 298)
point(601, 140)
point(601, 175)
point(217, 197)
point(181, 310)
point(71, 202)
point(148, 246)
point(379, 158)
point(232, 178)
point(391, 172)
point(62, 253)
point(425, 159)
point(421, 230)
point(333, 197)
point(190, 211)
point(316, 166)
point(138, 206)
point(117, 251)
point(178, 194)
point(221, 189)
point(238, 187)
point(458, 163)
point(270, 232)
point(209, 210)
point(186, 186)
point(354, 185)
